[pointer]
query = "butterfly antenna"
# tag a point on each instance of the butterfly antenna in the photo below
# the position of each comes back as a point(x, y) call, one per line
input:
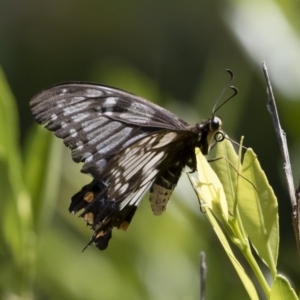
point(235, 91)
point(234, 142)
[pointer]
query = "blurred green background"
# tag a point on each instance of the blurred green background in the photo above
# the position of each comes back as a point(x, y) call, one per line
point(173, 53)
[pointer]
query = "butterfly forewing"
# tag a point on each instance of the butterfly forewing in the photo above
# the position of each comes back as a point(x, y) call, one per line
point(86, 100)
point(128, 144)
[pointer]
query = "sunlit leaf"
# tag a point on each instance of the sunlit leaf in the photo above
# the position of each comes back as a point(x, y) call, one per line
point(239, 269)
point(256, 215)
point(259, 210)
point(281, 290)
point(210, 192)
point(256, 201)
point(226, 167)
point(210, 189)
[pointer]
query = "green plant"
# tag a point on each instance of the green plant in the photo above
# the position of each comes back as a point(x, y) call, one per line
point(239, 201)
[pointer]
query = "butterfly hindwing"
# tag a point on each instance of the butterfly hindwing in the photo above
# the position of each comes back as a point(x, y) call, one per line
point(128, 175)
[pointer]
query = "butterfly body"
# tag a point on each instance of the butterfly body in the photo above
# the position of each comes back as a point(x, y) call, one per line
point(128, 144)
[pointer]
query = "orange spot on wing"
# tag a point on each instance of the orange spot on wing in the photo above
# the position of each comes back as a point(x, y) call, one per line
point(89, 217)
point(89, 197)
point(124, 225)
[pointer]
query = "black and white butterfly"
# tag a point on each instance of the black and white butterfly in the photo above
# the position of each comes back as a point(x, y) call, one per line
point(126, 143)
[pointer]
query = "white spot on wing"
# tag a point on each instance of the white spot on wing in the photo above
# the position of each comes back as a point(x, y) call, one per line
point(104, 132)
point(136, 106)
point(108, 113)
point(73, 132)
point(124, 188)
point(63, 91)
point(93, 93)
point(133, 139)
point(79, 145)
point(133, 119)
point(117, 187)
point(79, 117)
point(166, 139)
point(88, 156)
point(75, 108)
point(153, 162)
point(113, 140)
point(110, 101)
point(101, 164)
point(137, 197)
point(63, 124)
point(133, 166)
point(53, 117)
point(61, 103)
point(93, 123)
point(116, 173)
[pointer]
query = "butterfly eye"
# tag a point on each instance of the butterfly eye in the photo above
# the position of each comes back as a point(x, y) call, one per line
point(215, 124)
point(219, 136)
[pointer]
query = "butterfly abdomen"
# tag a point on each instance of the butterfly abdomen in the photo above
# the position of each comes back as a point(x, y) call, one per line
point(165, 183)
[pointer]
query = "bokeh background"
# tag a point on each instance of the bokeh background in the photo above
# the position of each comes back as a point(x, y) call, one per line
point(173, 53)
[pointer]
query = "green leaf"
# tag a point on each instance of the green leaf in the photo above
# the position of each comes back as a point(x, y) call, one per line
point(252, 208)
point(281, 290)
point(16, 210)
point(42, 144)
point(210, 192)
point(239, 269)
point(248, 187)
point(259, 210)
point(15, 202)
point(210, 189)
point(226, 167)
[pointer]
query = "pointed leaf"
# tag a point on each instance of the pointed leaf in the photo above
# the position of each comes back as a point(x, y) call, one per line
point(281, 290)
point(259, 210)
point(239, 269)
point(43, 191)
point(226, 167)
point(210, 192)
point(210, 189)
point(15, 203)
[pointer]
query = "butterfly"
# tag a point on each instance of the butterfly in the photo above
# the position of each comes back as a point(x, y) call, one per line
point(127, 144)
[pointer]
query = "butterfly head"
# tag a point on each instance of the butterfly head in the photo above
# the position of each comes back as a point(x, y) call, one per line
point(207, 131)
point(215, 124)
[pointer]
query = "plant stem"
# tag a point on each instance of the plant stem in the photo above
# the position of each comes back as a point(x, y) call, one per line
point(242, 243)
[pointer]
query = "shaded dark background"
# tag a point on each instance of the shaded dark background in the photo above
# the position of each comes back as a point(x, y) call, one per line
point(173, 53)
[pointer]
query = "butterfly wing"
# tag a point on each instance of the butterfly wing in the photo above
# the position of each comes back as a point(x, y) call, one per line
point(149, 162)
point(96, 122)
point(75, 99)
point(127, 143)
